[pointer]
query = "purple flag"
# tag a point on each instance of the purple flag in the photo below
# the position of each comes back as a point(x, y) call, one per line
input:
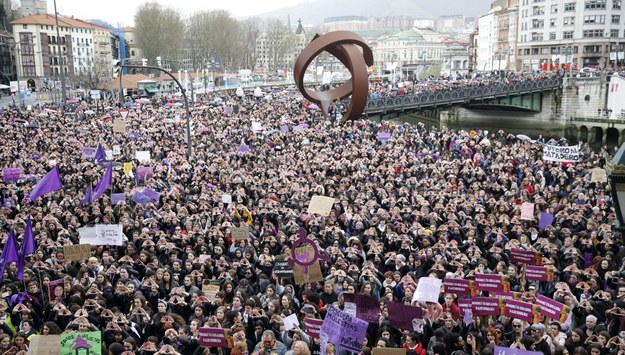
point(9, 252)
point(50, 182)
point(243, 150)
point(510, 351)
point(100, 154)
point(154, 196)
point(284, 128)
point(105, 183)
point(88, 196)
point(29, 245)
point(546, 219)
point(300, 127)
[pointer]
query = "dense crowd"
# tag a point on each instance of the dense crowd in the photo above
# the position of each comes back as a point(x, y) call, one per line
point(438, 203)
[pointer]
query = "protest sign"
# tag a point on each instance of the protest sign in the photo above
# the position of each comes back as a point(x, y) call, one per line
point(282, 269)
point(145, 172)
point(320, 205)
point(240, 233)
point(119, 126)
point(459, 286)
point(428, 290)
point(140, 198)
point(56, 290)
point(142, 155)
point(73, 343)
point(552, 309)
point(313, 326)
point(226, 198)
point(127, 168)
point(210, 291)
point(117, 150)
point(500, 350)
point(243, 150)
point(215, 337)
point(464, 304)
point(598, 175)
point(485, 306)
point(367, 308)
point(101, 234)
point(284, 128)
point(154, 196)
point(468, 317)
point(290, 322)
point(349, 308)
point(507, 295)
point(527, 211)
point(77, 252)
point(109, 154)
point(546, 219)
point(344, 331)
point(89, 152)
point(537, 273)
point(525, 256)
point(11, 174)
point(257, 126)
point(404, 317)
point(44, 344)
point(561, 154)
point(313, 273)
point(520, 310)
point(491, 282)
point(116, 198)
point(384, 136)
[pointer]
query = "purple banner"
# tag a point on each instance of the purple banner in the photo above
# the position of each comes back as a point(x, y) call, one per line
point(485, 306)
point(489, 282)
point(342, 330)
point(300, 127)
point(457, 286)
point(545, 220)
point(89, 152)
point(115, 198)
point(140, 198)
point(11, 174)
point(367, 308)
point(525, 256)
point(284, 128)
point(145, 172)
point(519, 310)
point(151, 194)
point(384, 136)
point(536, 273)
point(464, 304)
point(404, 317)
point(551, 309)
point(243, 150)
point(213, 337)
point(510, 351)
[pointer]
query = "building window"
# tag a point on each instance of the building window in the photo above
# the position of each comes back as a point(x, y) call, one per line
point(552, 36)
point(552, 22)
point(569, 6)
point(616, 19)
point(592, 33)
point(554, 8)
point(25, 27)
point(538, 10)
point(537, 36)
point(567, 35)
point(592, 49)
point(595, 4)
point(590, 19)
point(616, 4)
point(613, 33)
point(569, 21)
point(534, 51)
point(538, 23)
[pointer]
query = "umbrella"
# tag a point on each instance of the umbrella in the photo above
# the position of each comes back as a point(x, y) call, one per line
point(178, 104)
point(523, 137)
point(106, 118)
point(129, 104)
point(313, 107)
point(43, 114)
point(143, 101)
point(89, 112)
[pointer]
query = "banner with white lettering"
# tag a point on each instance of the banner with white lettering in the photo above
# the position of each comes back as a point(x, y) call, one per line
point(562, 154)
point(101, 234)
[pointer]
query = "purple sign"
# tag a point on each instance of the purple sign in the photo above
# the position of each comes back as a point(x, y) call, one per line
point(519, 310)
point(154, 196)
point(243, 150)
point(115, 198)
point(457, 286)
point(485, 306)
point(89, 152)
point(299, 128)
point(489, 282)
point(510, 351)
point(284, 128)
point(367, 308)
point(213, 337)
point(11, 174)
point(404, 317)
point(134, 135)
point(552, 309)
point(545, 220)
point(384, 136)
point(140, 198)
point(145, 172)
point(537, 273)
point(342, 330)
point(464, 304)
point(313, 326)
point(525, 256)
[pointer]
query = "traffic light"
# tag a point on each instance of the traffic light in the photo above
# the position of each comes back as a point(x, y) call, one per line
point(144, 62)
point(116, 68)
point(158, 62)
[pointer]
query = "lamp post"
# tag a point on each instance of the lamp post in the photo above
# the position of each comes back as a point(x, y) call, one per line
point(61, 69)
point(615, 171)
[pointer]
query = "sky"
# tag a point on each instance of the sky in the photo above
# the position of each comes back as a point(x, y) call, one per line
point(123, 11)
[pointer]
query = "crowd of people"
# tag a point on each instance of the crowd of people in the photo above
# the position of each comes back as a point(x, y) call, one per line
point(426, 202)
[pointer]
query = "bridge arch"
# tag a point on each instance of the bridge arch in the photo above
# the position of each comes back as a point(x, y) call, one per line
point(582, 135)
point(612, 137)
point(595, 138)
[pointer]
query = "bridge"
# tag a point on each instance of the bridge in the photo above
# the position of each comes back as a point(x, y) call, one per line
point(517, 96)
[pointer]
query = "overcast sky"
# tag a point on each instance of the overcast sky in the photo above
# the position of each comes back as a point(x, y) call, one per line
point(123, 11)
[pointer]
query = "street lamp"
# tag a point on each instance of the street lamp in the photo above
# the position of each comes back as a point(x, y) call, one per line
point(615, 171)
point(61, 68)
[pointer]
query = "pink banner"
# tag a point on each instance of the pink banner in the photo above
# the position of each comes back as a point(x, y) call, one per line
point(485, 306)
point(213, 337)
point(367, 308)
point(551, 309)
point(506, 295)
point(525, 256)
point(465, 303)
point(536, 273)
point(489, 282)
point(457, 286)
point(403, 316)
point(313, 326)
point(519, 310)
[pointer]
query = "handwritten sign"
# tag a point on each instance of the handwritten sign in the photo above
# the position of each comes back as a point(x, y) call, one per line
point(101, 234)
point(77, 252)
point(142, 155)
point(367, 307)
point(119, 126)
point(321, 205)
point(562, 154)
point(240, 233)
point(116, 198)
point(404, 317)
point(44, 344)
point(89, 152)
point(71, 343)
point(313, 275)
point(527, 211)
point(344, 331)
point(282, 269)
point(428, 290)
point(127, 168)
point(598, 175)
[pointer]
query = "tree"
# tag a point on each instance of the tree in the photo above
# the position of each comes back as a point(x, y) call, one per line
point(279, 41)
point(94, 77)
point(250, 32)
point(159, 31)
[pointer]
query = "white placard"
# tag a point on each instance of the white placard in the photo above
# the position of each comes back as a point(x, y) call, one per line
point(257, 126)
point(321, 205)
point(142, 155)
point(290, 322)
point(117, 150)
point(109, 154)
point(101, 234)
point(428, 290)
point(350, 308)
point(561, 154)
point(226, 198)
point(52, 162)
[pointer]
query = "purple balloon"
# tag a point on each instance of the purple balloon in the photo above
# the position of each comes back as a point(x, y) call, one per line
point(36, 156)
